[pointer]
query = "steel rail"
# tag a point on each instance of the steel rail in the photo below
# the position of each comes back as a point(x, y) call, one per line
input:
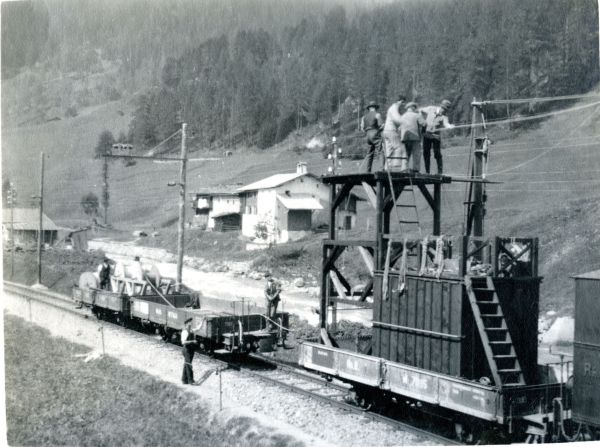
point(343, 404)
point(64, 302)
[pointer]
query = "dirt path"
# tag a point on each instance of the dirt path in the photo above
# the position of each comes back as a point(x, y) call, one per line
point(226, 286)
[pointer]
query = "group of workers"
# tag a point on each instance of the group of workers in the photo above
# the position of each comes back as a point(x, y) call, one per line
point(405, 128)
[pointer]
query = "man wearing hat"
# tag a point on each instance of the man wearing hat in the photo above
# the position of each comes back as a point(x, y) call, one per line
point(372, 124)
point(391, 137)
point(104, 274)
point(188, 343)
point(436, 118)
point(272, 291)
point(411, 124)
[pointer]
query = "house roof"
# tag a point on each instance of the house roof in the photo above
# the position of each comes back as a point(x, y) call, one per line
point(589, 275)
point(27, 219)
point(225, 213)
point(274, 181)
point(300, 202)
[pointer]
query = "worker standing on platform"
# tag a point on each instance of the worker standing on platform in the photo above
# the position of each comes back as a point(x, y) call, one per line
point(436, 118)
point(411, 124)
point(136, 270)
point(272, 298)
point(391, 137)
point(104, 274)
point(372, 124)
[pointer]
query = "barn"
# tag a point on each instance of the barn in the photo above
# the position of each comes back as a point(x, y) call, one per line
point(23, 223)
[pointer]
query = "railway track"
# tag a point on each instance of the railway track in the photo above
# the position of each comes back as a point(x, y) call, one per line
point(261, 367)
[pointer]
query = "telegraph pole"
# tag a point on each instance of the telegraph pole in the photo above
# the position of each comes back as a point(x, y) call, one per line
point(40, 227)
point(105, 193)
point(181, 225)
point(12, 196)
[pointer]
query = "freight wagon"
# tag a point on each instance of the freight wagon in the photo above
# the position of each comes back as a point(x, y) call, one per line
point(221, 327)
point(586, 360)
point(454, 319)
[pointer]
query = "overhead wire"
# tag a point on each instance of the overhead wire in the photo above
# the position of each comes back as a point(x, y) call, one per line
point(540, 99)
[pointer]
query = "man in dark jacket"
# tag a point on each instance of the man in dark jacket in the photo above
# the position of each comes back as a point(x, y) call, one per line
point(272, 299)
point(372, 124)
point(436, 118)
point(104, 274)
point(188, 342)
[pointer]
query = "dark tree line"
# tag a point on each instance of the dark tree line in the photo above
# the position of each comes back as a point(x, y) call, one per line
point(258, 86)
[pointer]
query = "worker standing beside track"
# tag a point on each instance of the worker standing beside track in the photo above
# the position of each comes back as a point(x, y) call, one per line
point(272, 291)
point(436, 119)
point(391, 137)
point(372, 124)
point(188, 342)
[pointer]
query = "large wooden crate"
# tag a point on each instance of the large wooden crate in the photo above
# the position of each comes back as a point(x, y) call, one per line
point(431, 325)
point(421, 327)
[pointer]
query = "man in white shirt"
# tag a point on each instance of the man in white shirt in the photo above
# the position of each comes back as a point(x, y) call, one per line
point(436, 118)
point(135, 270)
point(391, 137)
point(188, 343)
point(411, 124)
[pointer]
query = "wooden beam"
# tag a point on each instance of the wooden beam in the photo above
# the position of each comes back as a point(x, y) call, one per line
point(341, 195)
point(437, 209)
point(337, 284)
point(335, 254)
point(427, 195)
point(368, 258)
point(368, 288)
point(358, 304)
point(342, 279)
point(370, 194)
point(348, 243)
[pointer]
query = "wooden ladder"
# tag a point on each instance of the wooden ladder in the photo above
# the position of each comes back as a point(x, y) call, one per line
point(495, 336)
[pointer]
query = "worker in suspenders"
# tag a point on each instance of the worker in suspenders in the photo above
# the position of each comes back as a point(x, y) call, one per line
point(436, 118)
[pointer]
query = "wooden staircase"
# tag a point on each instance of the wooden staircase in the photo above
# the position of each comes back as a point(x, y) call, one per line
point(494, 333)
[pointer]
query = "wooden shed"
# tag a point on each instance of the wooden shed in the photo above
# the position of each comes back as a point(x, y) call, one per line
point(228, 222)
point(23, 225)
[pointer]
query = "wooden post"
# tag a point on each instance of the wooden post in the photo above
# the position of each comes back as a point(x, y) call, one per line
point(379, 226)
point(40, 225)
point(324, 288)
point(12, 230)
point(437, 209)
point(105, 189)
point(181, 224)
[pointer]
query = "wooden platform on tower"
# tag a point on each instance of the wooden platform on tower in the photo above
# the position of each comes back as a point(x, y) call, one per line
point(439, 303)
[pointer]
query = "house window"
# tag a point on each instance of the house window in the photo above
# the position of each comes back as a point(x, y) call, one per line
point(347, 222)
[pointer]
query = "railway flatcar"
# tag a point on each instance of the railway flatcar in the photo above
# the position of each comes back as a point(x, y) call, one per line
point(221, 327)
point(454, 319)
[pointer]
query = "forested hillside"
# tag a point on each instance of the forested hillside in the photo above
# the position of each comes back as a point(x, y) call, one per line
point(59, 56)
point(247, 72)
point(257, 86)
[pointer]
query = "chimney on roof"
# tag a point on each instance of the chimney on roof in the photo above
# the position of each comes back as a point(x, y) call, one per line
point(301, 168)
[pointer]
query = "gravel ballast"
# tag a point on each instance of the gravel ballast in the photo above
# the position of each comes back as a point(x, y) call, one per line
point(303, 418)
